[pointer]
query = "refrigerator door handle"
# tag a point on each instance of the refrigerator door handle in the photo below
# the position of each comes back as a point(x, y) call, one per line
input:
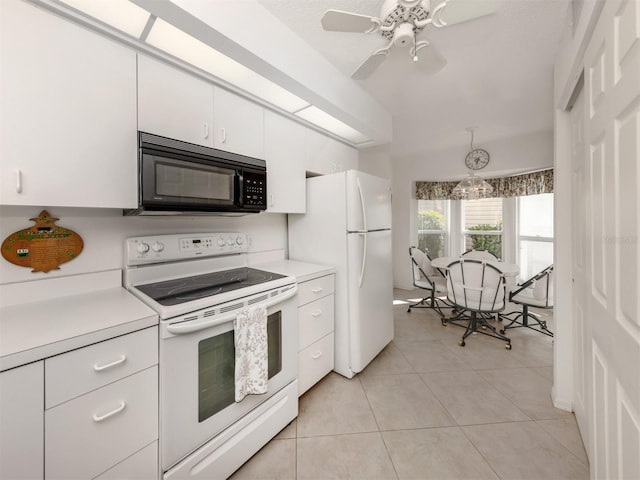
point(362, 204)
point(364, 259)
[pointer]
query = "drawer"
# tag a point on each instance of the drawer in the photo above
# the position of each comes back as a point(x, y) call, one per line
point(315, 289)
point(315, 320)
point(140, 465)
point(86, 436)
point(314, 362)
point(80, 371)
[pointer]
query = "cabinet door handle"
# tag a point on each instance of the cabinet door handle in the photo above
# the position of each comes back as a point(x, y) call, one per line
point(316, 356)
point(223, 135)
point(206, 130)
point(317, 313)
point(18, 181)
point(99, 368)
point(317, 290)
point(100, 418)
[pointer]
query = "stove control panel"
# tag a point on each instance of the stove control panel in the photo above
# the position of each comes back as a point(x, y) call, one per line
point(166, 248)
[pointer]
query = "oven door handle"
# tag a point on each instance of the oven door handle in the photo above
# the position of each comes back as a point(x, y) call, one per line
point(204, 323)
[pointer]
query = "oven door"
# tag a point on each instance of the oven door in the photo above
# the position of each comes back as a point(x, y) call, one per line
point(197, 366)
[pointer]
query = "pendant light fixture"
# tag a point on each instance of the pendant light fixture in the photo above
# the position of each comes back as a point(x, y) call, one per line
point(472, 186)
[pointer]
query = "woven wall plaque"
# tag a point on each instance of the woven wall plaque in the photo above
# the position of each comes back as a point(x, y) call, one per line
point(42, 246)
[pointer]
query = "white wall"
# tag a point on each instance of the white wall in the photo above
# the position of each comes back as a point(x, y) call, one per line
point(376, 161)
point(104, 231)
point(508, 156)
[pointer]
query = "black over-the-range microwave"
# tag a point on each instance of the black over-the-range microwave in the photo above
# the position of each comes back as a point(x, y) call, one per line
point(180, 178)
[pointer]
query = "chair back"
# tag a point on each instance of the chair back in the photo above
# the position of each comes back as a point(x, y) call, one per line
point(475, 285)
point(479, 255)
point(421, 266)
point(536, 291)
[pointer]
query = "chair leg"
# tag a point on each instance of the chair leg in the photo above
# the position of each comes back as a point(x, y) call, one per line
point(473, 327)
point(525, 315)
point(430, 302)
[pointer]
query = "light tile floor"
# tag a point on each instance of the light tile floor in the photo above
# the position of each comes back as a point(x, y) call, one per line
point(426, 408)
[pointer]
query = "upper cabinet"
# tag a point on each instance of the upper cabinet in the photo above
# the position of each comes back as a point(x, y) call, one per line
point(325, 155)
point(174, 104)
point(238, 123)
point(284, 143)
point(68, 115)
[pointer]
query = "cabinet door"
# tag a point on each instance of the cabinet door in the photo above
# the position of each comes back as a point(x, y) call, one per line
point(174, 104)
point(326, 155)
point(284, 153)
point(68, 116)
point(22, 421)
point(239, 124)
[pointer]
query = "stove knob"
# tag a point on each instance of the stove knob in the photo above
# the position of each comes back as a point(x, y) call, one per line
point(157, 247)
point(239, 240)
point(221, 242)
point(230, 241)
point(142, 247)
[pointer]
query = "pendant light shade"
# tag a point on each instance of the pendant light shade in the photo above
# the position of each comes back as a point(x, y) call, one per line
point(472, 187)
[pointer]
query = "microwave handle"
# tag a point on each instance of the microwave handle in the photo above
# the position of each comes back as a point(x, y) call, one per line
point(204, 323)
point(239, 188)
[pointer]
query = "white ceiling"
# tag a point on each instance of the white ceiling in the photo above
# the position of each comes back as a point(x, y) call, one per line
point(498, 77)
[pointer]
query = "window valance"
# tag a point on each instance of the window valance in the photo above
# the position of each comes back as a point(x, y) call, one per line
point(515, 186)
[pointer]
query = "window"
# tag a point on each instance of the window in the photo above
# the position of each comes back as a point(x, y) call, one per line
point(482, 225)
point(432, 227)
point(535, 233)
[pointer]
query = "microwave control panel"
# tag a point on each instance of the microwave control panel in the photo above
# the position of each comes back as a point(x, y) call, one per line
point(255, 189)
point(166, 248)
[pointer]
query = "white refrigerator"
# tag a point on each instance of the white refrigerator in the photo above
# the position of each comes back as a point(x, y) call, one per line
point(348, 225)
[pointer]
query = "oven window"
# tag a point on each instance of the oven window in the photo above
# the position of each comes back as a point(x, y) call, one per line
point(216, 367)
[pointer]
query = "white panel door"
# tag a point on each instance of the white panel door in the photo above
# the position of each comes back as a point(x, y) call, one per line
point(581, 327)
point(239, 124)
point(370, 296)
point(612, 245)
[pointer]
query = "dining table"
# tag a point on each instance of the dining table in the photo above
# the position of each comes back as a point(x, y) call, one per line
point(508, 269)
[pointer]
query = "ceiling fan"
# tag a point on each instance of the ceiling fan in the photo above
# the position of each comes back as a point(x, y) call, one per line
point(400, 22)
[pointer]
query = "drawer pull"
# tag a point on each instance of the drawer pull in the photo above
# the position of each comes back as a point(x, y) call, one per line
point(316, 356)
point(316, 290)
point(100, 418)
point(100, 368)
point(317, 313)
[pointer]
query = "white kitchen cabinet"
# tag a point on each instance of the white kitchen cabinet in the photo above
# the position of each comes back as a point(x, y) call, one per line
point(284, 150)
point(174, 104)
point(325, 155)
point(68, 115)
point(22, 422)
point(316, 307)
point(102, 409)
point(238, 124)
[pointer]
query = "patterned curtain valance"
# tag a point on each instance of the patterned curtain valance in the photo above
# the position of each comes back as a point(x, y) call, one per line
point(516, 186)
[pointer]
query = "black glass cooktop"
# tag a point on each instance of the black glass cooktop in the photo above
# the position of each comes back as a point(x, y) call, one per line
point(180, 290)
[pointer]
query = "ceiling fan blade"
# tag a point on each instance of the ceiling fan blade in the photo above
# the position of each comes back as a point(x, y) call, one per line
point(367, 67)
point(339, 21)
point(430, 61)
point(458, 11)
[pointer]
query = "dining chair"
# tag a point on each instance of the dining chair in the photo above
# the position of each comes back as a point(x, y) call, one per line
point(537, 292)
point(426, 277)
point(479, 254)
point(476, 288)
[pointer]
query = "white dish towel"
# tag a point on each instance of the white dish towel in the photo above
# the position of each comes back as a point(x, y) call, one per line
point(250, 337)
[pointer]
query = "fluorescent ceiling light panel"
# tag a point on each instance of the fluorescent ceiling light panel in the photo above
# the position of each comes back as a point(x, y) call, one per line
point(324, 120)
point(121, 14)
point(174, 41)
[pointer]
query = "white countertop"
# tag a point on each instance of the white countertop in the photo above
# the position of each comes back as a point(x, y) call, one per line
point(36, 330)
point(301, 270)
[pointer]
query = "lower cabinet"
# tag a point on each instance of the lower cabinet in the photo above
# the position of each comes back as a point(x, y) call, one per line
point(88, 413)
point(102, 409)
point(315, 330)
point(22, 422)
